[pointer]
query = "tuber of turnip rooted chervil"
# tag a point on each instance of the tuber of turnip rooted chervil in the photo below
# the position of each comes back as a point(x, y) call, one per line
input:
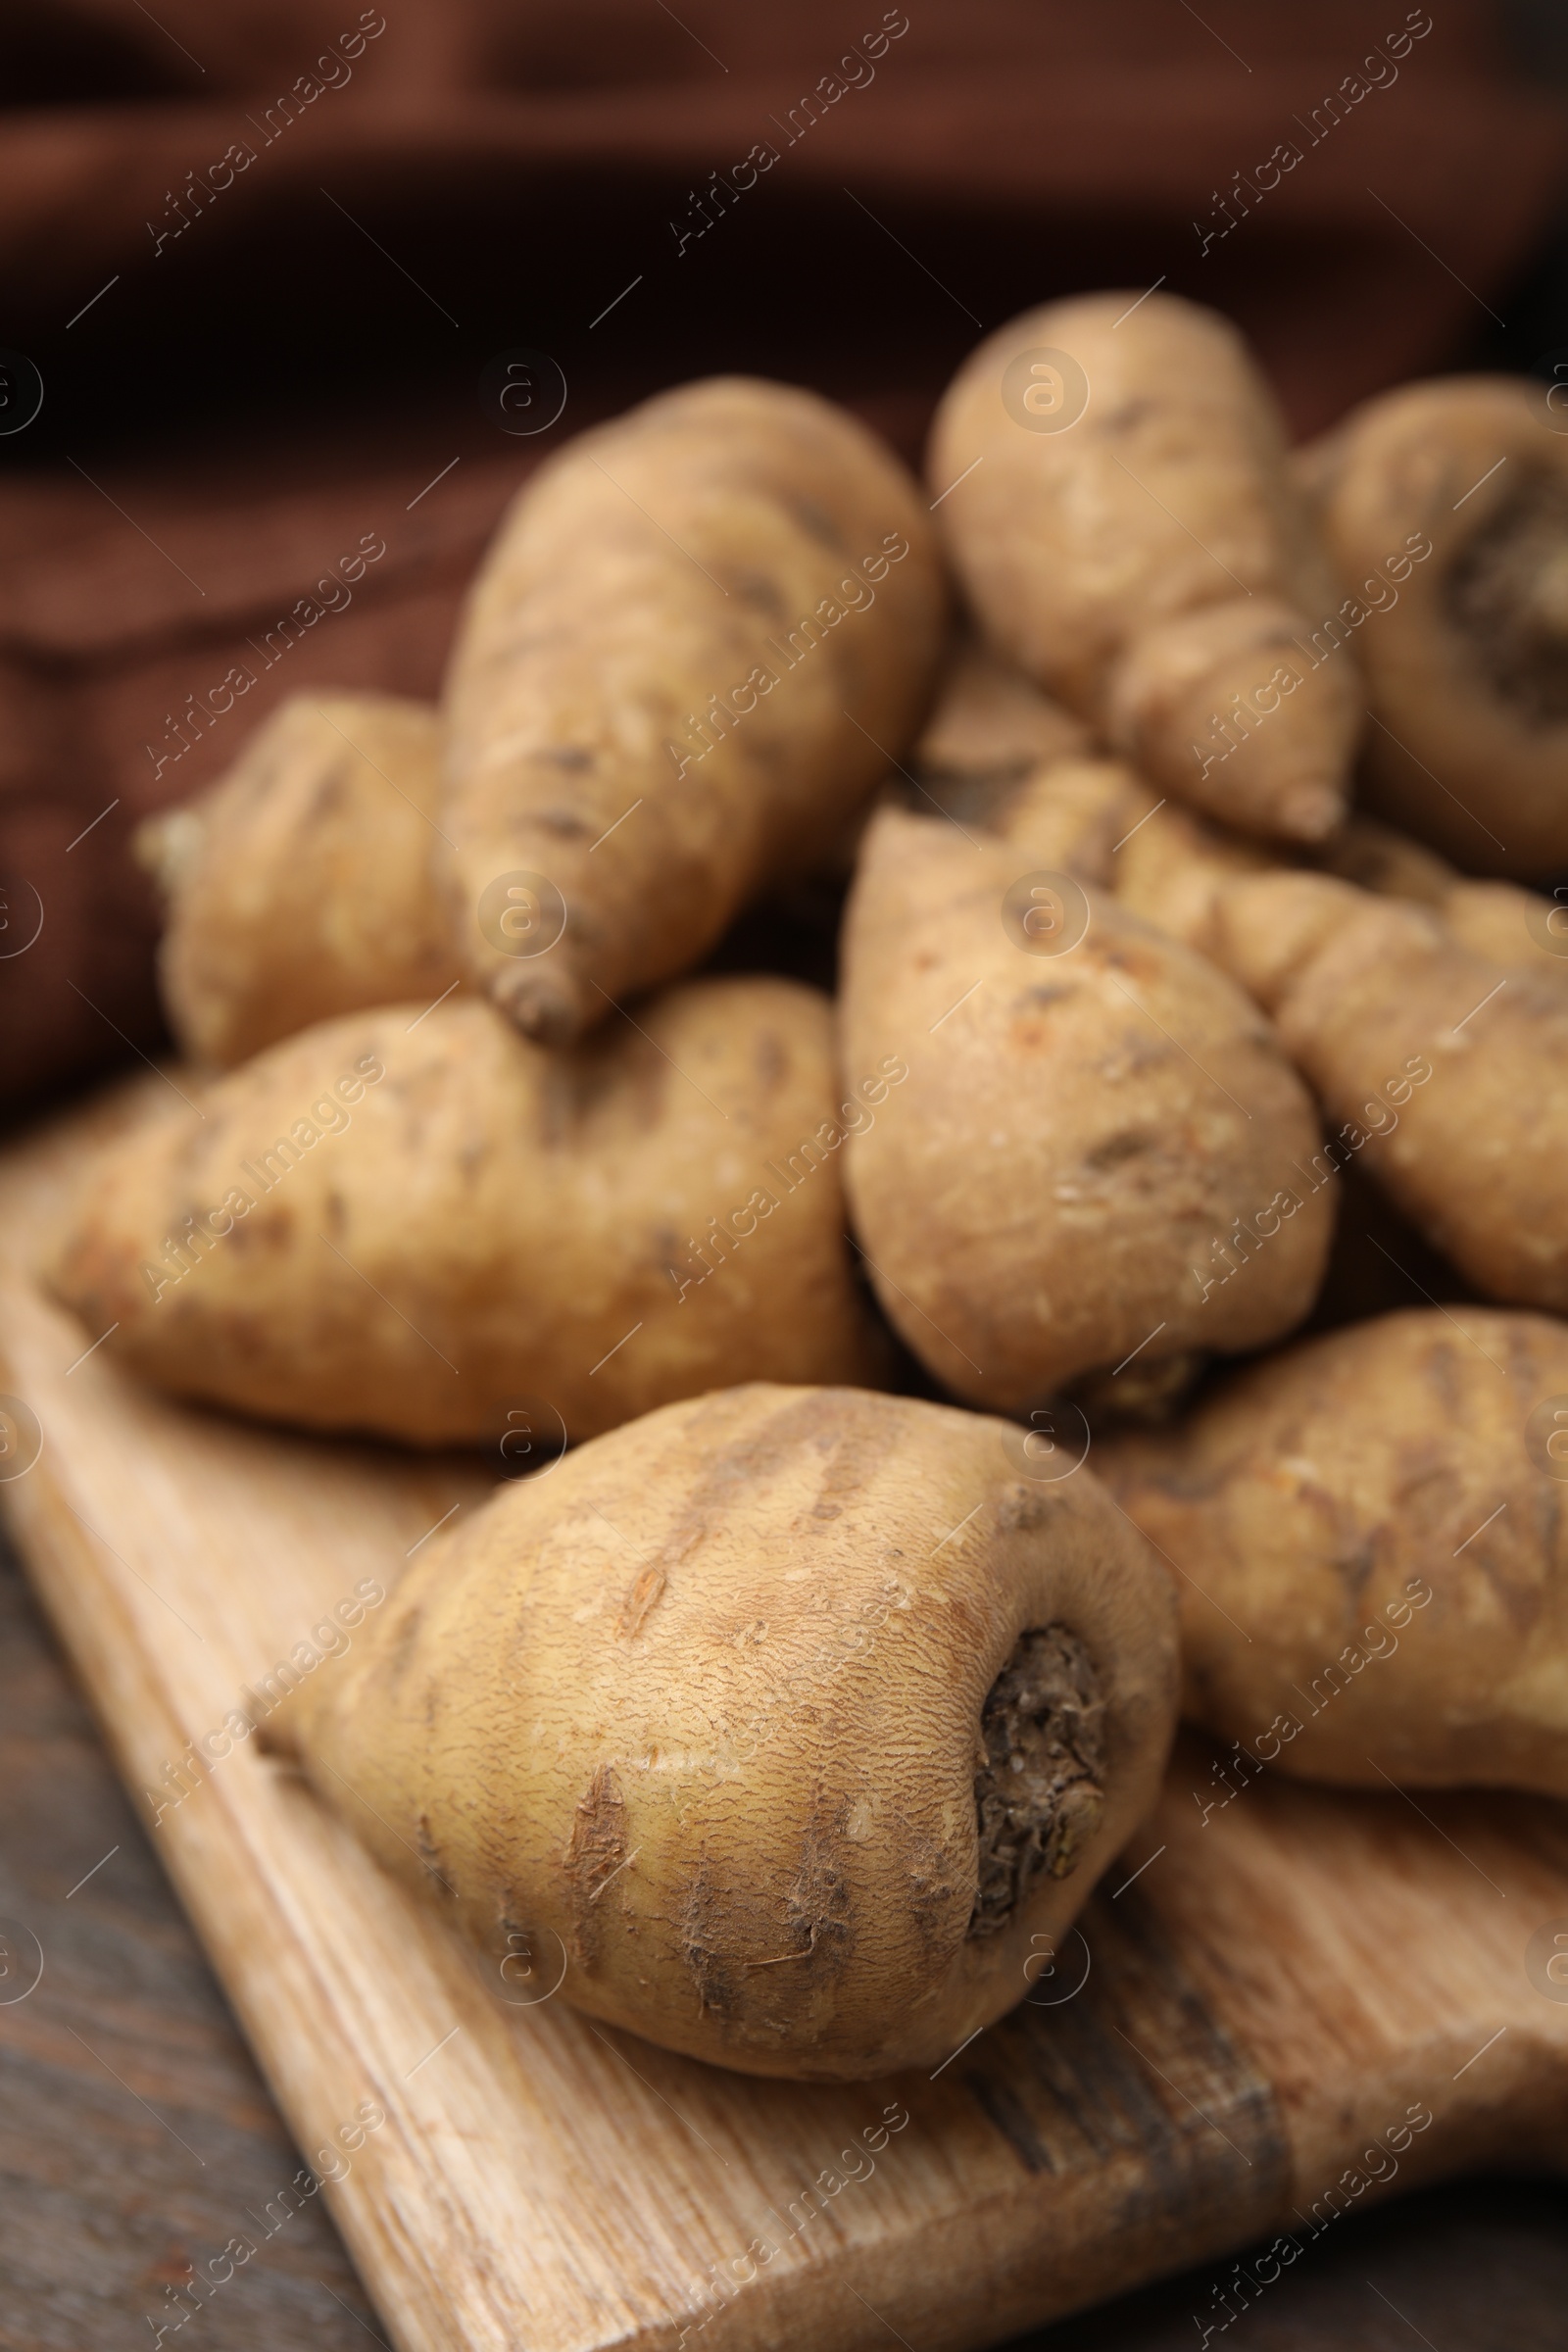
point(1372, 1544)
point(785, 1727)
point(1445, 507)
point(1117, 498)
point(420, 1224)
point(1095, 1121)
point(299, 886)
point(1102, 823)
point(703, 634)
point(1444, 1074)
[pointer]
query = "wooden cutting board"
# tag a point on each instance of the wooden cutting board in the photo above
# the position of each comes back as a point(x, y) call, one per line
point(1277, 1992)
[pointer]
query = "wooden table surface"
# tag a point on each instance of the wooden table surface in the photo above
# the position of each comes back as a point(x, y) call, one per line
point(134, 2127)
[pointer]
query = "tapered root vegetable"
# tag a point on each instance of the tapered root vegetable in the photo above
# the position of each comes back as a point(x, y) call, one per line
point(1099, 821)
point(786, 1725)
point(1119, 504)
point(1102, 823)
point(701, 635)
point(1373, 1546)
point(1502, 921)
point(1444, 1073)
point(1445, 507)
point(300, 885)
point(1063, 1180)
point(429, 1228)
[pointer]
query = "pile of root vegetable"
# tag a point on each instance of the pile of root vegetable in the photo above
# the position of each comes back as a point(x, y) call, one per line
point(879, 1490)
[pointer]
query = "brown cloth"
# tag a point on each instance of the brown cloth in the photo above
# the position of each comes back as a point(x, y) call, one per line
point(261, 257)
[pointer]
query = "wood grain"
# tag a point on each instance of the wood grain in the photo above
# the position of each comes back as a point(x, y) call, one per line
point(1264, 2003)
point(134, 2132)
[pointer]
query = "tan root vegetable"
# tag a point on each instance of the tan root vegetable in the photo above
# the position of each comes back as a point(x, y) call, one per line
point(300, 885)
point(1445, 507)
point(1498, 919)
point(1375, 1531)
point(702, 633)
point(1103, 824)
point(1444, 1073)
point(418, 1226)
point(1117, 501)
point(1058, 1185)
point(726, 1723)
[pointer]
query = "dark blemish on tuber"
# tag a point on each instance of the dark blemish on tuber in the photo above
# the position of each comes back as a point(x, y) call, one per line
point(330, 793)
point(1507, 595)
point(1038, 1793)
point(646, 1588)
point(819, 1903)
point(1119, 1149)
point(769, 1060)
point(756, 589)
point(1128, 416)
point(700, 1941)
point(565, 823)
point(1021, 1508)
point(595, 1852)
point(817, 522)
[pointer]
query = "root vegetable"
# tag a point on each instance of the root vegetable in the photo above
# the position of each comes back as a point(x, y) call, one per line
point(1446, 1074)
point(1058, 1184)
point(789, 1722)
point(1445, 507)
point(1151, 562)
point(300, 885)
point(1099, 821)
point(420, 1226)
point(1497, 920)
point(701, 635)
point(1102, 823)
point(1394, 1488)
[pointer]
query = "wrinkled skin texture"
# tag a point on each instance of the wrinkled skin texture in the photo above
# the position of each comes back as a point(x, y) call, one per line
point(1467, 671)
point(1058, 1175)
point(1316, 1496)
point(486, 1222)
point(300, 886)
point(1153, 560)
point(698, 1719)
point(658, 562)
point(1367, 991)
